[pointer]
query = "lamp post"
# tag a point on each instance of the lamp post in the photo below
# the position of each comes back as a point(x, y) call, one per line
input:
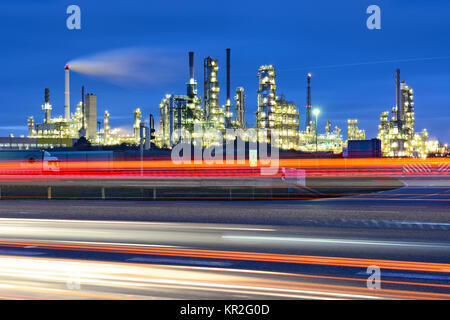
point(316, 112)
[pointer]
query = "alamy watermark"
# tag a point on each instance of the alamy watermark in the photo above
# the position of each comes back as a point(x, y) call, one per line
point(73, 279)
point(74, 20)
point(228, 149)
point(374, 20)
point(374, 280)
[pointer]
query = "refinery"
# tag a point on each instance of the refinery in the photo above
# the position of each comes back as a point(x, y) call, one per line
point(275, 114)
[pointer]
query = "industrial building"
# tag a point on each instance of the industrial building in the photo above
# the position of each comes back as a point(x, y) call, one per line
point(311, 140)
point(274, 113)
point(397, 134)
point(353, 132)
point(180, 113)
point(17, 143)
point(240, 108)
point(63, 131)
point(274, 116)
point(213, 113)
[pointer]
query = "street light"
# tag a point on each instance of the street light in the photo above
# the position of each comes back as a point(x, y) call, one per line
point(316, 112)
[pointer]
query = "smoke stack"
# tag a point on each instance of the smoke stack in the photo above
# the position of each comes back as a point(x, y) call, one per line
point(191, 65)
point(308, 101)
point(47, 107)
point(47, 96)
point(152, 122)
point(228, 76)
point(66, 93)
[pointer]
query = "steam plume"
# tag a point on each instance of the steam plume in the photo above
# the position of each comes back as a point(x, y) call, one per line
point(143, 66)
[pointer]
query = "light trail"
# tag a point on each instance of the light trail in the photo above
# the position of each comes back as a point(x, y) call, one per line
point(332, 241)
point(320, 167)
point(236, 255)
point(47, 277)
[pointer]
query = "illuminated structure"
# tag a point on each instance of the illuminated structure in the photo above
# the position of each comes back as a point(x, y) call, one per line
point(63, 131)
point(216, 117)
point(240, 108)
point(330, 141)
point(266, 102)
point(30, 126)
point(180, 114)
point(55, 131)
point(274, 113)
point(214, 113)
point(137, 122)
point(266, 98)
point(311, 140)
point(397, 135)
point(106, 128)
point(353, 132)
point(286, 121)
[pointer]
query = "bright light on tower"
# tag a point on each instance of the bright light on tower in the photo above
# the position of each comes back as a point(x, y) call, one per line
point(316, 112)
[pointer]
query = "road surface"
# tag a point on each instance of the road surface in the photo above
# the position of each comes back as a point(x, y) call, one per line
point(317, 249)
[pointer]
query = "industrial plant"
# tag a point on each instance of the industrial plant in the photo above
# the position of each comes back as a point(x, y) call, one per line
point(62, 131)
point(397, 135)
point(275, 116)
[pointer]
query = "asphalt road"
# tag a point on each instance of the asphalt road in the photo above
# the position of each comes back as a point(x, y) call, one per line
point(229, 250)
point(105, 259)
point(422, 202)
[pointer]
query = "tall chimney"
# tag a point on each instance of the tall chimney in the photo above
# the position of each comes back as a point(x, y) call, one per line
point(308, 102)
point(66, 93)
point(152, 122)
point(47, 107)
point(191, 65)
point(228, 77)
point(47, 96)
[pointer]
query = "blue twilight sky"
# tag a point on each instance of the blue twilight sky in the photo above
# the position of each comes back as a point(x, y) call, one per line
point(327, 38)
